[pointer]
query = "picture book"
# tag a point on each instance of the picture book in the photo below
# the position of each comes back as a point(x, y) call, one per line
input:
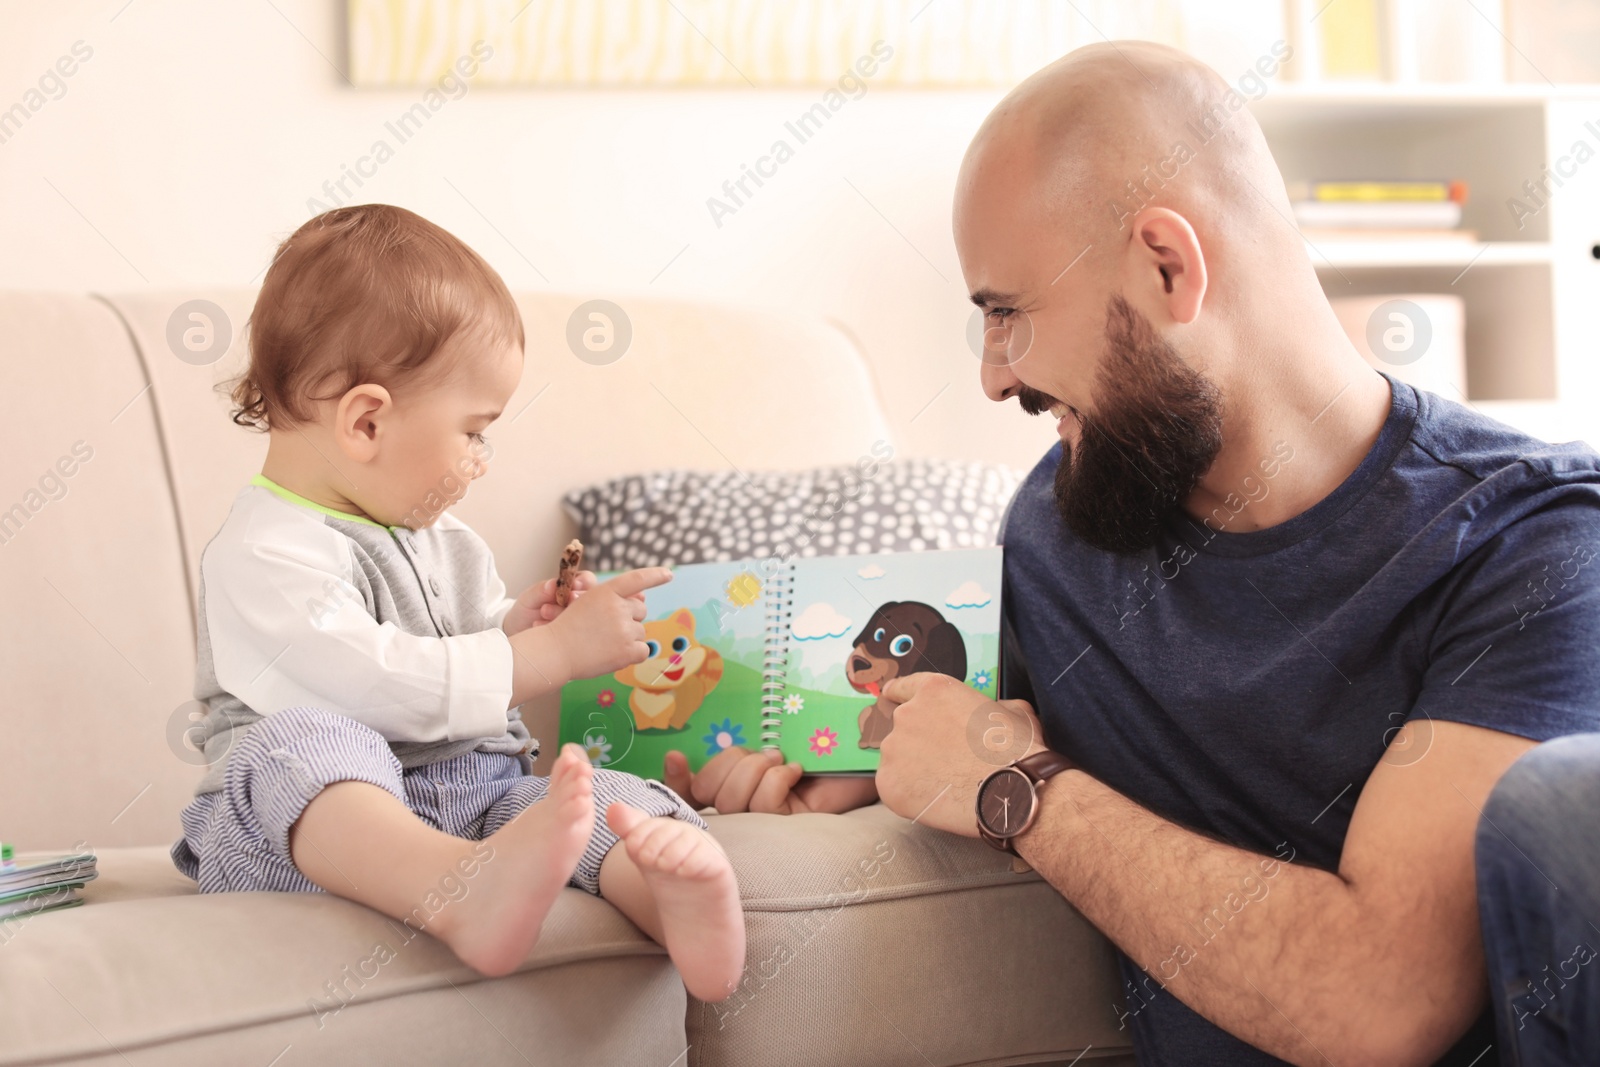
point(32, 883)
point(791, 655)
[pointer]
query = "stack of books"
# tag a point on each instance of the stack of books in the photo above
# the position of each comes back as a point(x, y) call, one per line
point(40, 882)
point(1364, 210)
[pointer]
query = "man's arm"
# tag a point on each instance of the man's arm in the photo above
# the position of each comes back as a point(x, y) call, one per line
point(1380, 963)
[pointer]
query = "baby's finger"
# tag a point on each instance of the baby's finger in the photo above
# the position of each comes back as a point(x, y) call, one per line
point(637, 581)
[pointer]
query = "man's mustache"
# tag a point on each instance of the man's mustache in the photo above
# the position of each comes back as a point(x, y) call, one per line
point(1036, 403)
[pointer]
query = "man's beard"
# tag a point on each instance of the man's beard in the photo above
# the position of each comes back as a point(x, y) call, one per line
point(1157, 431)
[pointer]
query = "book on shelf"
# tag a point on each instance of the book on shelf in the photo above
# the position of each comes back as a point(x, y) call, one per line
point(1368, 207)
point(1379, 191)
point(1336, 234)
point(1379, 215)
point(36, 882)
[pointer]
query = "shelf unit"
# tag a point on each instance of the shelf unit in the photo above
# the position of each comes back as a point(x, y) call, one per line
point(1530, 285)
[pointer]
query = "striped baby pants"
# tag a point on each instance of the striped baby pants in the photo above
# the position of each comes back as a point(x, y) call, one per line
point(237, 839)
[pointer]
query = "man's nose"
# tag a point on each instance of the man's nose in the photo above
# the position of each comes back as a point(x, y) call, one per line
point(996, 375)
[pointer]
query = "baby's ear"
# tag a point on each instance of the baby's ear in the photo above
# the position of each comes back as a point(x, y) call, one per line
point(685, 619)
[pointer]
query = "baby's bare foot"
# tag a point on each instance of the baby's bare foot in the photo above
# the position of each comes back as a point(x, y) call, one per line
point(498, 921)
point(696, 896)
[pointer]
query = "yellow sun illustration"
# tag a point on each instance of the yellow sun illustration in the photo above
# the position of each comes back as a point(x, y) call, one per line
point(743, 589)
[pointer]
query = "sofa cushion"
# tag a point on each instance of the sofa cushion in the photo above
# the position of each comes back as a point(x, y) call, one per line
point(876, 940)
point(871, 939)
point(148, 971)
point(670, 517)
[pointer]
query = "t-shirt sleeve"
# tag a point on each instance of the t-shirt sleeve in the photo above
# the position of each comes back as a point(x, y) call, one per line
point(1014, 683)
point(1514, 648)
point(288, 628)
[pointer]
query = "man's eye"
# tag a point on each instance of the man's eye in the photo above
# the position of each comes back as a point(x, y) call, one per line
point(1001, 313)
point(478, 437)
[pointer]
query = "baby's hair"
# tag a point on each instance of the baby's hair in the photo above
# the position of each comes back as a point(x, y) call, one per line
point(366, 293)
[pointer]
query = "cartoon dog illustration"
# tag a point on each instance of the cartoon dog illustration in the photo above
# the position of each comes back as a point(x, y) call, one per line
point(902, 637)
point(671, 685)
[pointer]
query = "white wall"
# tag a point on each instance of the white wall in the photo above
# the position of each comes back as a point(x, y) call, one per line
point(188, 145)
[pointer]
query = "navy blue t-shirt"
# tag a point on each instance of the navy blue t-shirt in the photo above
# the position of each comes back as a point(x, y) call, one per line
point(1245, 684)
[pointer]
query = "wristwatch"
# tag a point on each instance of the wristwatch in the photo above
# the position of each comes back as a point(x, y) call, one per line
point(1008, 799)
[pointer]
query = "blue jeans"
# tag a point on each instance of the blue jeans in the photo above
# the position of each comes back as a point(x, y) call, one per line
point(1538, 861)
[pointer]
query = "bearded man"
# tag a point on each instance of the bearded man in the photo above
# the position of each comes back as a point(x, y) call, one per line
point(1305, 657)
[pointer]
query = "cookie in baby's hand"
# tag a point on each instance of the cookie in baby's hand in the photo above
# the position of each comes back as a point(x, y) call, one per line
point(567, 571)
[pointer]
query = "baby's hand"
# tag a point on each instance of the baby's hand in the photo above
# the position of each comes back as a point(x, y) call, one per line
point(537, 604)
point(603, 630)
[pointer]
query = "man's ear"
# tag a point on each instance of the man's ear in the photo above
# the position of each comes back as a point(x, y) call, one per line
point(1169, 267)
point(360, 419)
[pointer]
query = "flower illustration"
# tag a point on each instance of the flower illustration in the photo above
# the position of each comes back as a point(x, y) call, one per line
point(597, 748)
point(606, 698)
point(981, 680)
point(793, 703)
point(824, 741)
point(723, 735)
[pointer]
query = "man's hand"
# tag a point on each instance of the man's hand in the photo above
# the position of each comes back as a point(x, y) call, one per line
point(737, 779)
point(947, 738)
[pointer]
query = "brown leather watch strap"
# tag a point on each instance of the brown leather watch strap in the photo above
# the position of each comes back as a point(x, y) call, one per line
point(1042, 765)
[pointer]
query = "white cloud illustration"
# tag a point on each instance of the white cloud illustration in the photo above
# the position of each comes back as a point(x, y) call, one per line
point(870, 571)
point(967, 595)
point(818, 622)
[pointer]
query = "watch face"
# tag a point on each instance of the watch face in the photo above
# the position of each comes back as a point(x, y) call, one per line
point(1005, 801)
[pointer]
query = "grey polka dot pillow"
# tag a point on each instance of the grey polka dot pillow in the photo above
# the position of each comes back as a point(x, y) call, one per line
point(666, 518)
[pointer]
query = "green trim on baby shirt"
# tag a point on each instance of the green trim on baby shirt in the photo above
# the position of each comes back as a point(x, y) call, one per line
point(295, 498)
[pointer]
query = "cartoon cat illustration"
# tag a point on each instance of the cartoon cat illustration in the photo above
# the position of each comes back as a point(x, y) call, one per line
point(671, 685)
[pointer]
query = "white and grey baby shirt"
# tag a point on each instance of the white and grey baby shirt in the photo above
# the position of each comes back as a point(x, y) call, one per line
point(398, 629)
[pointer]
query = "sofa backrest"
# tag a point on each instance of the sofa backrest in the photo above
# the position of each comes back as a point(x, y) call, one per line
point(699, 386)
point(96, 645)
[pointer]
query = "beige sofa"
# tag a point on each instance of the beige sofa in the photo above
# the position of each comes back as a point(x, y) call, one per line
point(872, 939)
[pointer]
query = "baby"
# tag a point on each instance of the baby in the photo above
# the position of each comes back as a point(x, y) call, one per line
point(358, 656)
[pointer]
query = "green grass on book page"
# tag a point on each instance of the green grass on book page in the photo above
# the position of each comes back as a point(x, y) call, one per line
point(595, 714)
point(820, 731)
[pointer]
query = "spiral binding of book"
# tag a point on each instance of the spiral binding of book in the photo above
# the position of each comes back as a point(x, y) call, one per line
point(775, 660)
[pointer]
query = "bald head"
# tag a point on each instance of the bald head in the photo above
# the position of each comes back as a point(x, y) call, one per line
point(1125, 231)
point(1079, 148)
